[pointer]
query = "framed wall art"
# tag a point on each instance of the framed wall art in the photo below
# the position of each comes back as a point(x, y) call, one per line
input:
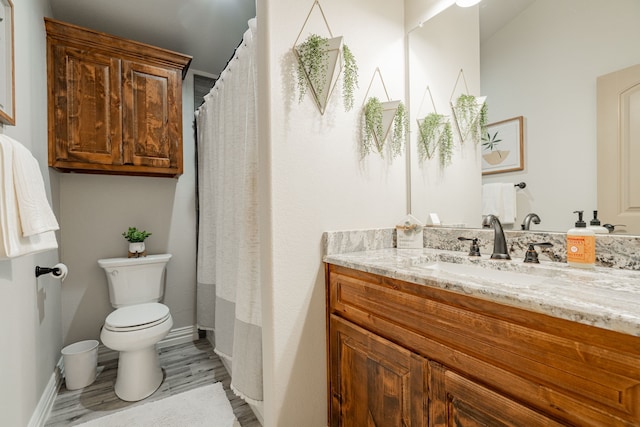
point(7, 78)
point(503, 146)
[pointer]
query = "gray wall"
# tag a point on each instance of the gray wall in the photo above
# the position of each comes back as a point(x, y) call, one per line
point(39, 316)
point(29, 308)
point(96, 209)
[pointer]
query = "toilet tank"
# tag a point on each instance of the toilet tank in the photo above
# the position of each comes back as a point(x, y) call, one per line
point(135, 280)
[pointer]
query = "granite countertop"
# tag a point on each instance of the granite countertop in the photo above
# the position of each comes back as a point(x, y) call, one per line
point(604, 297)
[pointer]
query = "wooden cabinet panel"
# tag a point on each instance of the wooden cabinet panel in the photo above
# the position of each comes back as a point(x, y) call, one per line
point(87, 117)
point(386, 385)
point(152, 120)
point(460, 402)
point(115, 105)
point(570, 372)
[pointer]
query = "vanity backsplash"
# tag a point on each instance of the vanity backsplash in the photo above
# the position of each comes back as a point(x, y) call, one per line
point(615, 251)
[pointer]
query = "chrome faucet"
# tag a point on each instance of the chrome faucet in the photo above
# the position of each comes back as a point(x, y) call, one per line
point(526, 224)
point(499, 241)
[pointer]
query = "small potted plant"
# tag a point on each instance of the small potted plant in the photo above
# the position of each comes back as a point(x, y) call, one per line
point(136, 239)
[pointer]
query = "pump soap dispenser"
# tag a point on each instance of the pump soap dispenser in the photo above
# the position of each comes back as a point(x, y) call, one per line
point(581, 245)
point(595, 225)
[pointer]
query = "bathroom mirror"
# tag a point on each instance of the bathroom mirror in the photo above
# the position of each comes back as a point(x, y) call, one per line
point(540, 59)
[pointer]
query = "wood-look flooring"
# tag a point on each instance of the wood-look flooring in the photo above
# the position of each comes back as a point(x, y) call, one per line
point(186, 366)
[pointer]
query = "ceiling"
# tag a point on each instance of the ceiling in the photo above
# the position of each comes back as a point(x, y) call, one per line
point(495, 14)
point(208, 30)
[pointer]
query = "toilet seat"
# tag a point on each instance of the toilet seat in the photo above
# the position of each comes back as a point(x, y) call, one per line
point(137, 317)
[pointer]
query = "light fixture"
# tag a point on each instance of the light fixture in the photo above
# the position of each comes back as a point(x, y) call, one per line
point(467, 3)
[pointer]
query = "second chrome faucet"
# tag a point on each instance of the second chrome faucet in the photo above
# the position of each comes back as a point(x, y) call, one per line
point(499, 242)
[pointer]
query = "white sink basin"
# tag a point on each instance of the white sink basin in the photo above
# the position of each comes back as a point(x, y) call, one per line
point(480, 272)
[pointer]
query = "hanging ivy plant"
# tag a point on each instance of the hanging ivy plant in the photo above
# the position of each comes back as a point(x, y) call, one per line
point(313, 67)
point(469, 118)
point(400, 129)
point(312, 64)
point(434, 133)
point(349, 77)
point(372, 126)
point(374, 132)
point(445, 146)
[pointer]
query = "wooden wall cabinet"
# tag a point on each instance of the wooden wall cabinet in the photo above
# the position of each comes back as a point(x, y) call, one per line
point(114, 105)
point(402, 354)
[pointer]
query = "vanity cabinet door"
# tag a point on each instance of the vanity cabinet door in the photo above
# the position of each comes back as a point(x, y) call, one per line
point(374, 382)
point(457, 401)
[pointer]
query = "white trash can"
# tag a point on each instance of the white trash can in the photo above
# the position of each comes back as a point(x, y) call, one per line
point(80, 363)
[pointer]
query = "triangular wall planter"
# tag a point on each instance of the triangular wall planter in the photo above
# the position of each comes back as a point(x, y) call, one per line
point(429, 143)
point(465, 123)
point(389, 109)
point(322, 92)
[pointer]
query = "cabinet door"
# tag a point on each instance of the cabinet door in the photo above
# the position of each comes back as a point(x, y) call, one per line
point(152, 116)
point(373, 381)
point(87, 119)
point(457, 401)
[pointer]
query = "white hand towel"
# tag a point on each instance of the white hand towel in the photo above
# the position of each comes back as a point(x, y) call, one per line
point(12, 241)
point(36, 215)
point(500, 199)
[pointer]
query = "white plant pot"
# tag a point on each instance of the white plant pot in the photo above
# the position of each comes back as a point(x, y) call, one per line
point(136, 247)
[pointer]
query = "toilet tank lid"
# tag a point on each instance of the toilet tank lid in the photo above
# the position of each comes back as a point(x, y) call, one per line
point(120, 262)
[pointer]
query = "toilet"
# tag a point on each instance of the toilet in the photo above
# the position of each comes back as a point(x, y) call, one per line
point(139, 321)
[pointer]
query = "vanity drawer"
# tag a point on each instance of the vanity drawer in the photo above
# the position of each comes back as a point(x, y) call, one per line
point(577, 373)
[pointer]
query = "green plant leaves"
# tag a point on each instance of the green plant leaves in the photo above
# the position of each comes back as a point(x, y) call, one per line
point(133, 235)
point(434, 134)
point(349, 77)
point(470, 114)
point(489, 142)
point(372, 132)
point(312, 65)
point(315, 57)
point(377, 125)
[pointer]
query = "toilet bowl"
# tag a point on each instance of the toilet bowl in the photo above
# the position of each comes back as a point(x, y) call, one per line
point(134, 331)
point(138, 323)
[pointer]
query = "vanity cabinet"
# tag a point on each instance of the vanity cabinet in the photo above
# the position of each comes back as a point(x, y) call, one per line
point(114, 105)
point(405, 354)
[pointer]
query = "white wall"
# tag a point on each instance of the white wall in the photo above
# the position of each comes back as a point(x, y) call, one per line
point(417, 12)
point(96, 209)
point(29, 307)
point(312, 180)
point(543, 66)
point(438, 50)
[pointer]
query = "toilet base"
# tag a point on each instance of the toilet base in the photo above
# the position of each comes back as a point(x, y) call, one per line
point(139, 374)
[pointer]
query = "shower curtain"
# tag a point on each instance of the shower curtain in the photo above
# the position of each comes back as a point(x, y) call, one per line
point(228, 292)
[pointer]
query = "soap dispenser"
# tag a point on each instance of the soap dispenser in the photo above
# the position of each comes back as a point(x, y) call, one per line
point(595, 225)
point(581, 245)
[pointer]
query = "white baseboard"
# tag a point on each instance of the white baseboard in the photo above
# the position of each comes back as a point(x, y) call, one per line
point(45, 404)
